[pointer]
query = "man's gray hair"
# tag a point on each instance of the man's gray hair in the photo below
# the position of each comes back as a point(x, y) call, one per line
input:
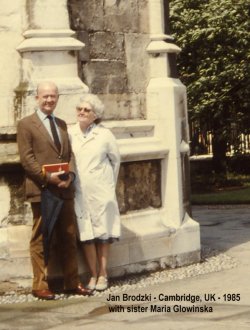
point(95, 102)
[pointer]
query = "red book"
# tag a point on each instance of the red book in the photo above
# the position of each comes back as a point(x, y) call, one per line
point(55, 168)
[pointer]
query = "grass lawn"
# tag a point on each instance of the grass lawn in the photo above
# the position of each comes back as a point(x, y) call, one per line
point(227, 196)
point(233, 187)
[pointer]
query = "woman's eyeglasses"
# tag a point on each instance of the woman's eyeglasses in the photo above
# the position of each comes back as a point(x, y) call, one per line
point(79, 109)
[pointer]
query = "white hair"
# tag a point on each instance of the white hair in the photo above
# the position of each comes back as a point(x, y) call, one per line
point(95, 102)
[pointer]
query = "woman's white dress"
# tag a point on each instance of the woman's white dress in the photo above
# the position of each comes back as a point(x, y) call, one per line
point(97, 162)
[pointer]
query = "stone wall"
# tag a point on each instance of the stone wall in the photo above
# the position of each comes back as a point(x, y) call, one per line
point(11, 28)
point(113, 62)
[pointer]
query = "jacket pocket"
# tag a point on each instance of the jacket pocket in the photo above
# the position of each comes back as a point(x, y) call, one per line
point(31, 188)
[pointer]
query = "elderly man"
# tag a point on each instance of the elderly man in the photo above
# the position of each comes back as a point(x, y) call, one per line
point(43, 139)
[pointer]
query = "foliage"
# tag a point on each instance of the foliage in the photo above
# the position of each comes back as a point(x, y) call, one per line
point(237, 196)
point(213, 64)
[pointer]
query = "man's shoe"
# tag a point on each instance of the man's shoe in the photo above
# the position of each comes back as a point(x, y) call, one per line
point(80, 290)
point(43, 294)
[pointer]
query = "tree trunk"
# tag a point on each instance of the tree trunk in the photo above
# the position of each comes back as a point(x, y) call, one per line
point(219, 145)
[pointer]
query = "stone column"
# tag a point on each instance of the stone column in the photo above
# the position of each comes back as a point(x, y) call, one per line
point(48, 52)
point(166, 105)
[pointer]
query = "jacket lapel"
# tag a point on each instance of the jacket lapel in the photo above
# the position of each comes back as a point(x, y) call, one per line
point(63, 134)
point(39, 125)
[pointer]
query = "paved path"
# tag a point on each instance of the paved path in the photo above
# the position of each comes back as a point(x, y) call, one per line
point(224, 229)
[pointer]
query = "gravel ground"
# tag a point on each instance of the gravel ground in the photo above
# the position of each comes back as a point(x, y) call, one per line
point(211, 261)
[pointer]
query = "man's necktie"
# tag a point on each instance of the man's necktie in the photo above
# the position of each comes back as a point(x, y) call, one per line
point(54, 132)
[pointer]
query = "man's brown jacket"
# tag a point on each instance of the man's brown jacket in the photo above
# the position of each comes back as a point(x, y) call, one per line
point(37, 148)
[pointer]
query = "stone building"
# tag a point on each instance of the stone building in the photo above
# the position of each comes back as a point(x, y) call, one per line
point(120, 50)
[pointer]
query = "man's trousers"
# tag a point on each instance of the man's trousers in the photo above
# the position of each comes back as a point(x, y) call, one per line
point(65, 231)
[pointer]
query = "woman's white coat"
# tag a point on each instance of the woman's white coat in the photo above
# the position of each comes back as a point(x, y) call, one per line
point(97, 162)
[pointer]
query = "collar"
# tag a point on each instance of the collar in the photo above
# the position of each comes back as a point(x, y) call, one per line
point(42, 115)
point(89, 129)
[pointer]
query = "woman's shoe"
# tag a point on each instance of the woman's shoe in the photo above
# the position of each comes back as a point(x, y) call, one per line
point(102, 283)
point(92, 283)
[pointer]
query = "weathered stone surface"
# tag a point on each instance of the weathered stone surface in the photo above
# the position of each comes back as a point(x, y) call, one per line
point(117, 12)
point(124, 106)
point(105, 77)
point(10, 35)
point(186, 183)
point(83, 54)
point(143, 16)
point(10, 11)
point(4, 203)
point(86, 15)
point(137, 62)
point(114, 60)
point(8, 151)
point(15, 269)
point(13, 182)
point(107, 45)
point(109, 15)
point(139, 185)
point(37, 11)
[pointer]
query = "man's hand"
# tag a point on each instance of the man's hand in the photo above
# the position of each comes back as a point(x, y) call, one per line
point(65, 183)
point(54, 178)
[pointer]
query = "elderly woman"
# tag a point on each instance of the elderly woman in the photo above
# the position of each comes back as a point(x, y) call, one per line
point(97, 161)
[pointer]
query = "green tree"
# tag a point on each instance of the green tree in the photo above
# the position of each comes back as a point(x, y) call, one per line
point(213, 64)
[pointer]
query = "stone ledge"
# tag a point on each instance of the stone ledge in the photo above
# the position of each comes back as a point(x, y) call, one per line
point(135, 140)
point(45, 40)
point(47, 44)
point(160, 46)
point(130, 128)
point(129, 255)
point(49, 33)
